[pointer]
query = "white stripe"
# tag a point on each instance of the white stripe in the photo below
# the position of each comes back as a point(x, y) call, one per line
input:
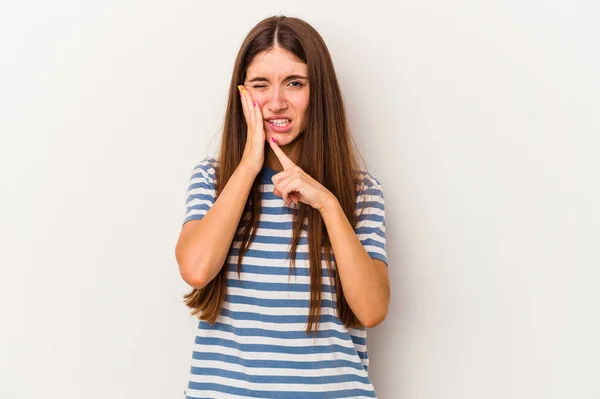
point(278, 218)
point(214, 394)
point(200, 174)
point(296, 342)
point(198, 201)
point(201, 190)
point(214, 379)
point(370, 223)
point(195, 212)
point(267, 294)
point(299, 269)
point(263, 246)
point(293, 357)
point(252, 260)
point(370, 210)
point(203, 178)
point(372, 236)
point(274, 326)
point(273, 278)
point(273, 203)
point(270, 311)
point(277, 371)
point(265, 232)
point(377, 250)
point(355, 332)
point(192, 393)
point(274, 294)
point(266, 187)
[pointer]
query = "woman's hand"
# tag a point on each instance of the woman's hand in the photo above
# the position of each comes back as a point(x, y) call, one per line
point(254, 152)
point(293, 184)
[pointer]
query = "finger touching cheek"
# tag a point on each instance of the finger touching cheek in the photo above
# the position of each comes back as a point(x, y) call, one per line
point(259, 98)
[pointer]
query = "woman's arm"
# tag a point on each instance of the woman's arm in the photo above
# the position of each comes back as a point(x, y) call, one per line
point(203, 244)
point(365, 280)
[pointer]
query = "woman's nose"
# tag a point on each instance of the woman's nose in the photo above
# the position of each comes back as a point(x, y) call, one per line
point(277, 100)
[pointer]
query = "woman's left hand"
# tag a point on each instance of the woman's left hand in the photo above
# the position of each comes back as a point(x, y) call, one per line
point(293, 184)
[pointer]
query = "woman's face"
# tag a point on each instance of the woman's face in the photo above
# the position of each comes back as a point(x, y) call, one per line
point(279, 84)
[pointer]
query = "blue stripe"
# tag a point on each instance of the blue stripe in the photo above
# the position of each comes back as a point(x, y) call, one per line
point(372, 243)
point(293, 350)
point(274, 210)
point(275, 225)
point(370, 230)
point(193, 217)
point(280, 379)
point(268, 195)
point(275, 303)
point(295, 287)
point(369, 204)
point(346, 393)
point(277, 364)
point(274, 240)
point(276, 271)
point(373, 191)
point(203, 175)
point(200, 196)
point(259, 253)
point(201, 185)
point(370, 216)
point(358, 340)
point(260, 332)
point(265, 318)
point(199, 207)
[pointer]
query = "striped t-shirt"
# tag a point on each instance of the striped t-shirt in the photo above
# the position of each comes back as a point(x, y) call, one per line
point(258, 347)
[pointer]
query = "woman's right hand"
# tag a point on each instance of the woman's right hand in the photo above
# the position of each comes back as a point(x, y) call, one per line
point(254, 152)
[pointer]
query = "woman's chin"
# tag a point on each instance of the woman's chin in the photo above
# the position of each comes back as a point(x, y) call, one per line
point(281, 138)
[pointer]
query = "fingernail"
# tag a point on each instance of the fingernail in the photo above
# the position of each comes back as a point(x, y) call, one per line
point(254, 102)
point(240, 88)
point(272, 139)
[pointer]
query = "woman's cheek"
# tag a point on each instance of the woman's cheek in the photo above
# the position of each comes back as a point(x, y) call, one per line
point(260, 101)
point(257, 96)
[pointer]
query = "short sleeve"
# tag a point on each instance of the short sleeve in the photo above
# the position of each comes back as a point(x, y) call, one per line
point(201, 193)
point(370, 210)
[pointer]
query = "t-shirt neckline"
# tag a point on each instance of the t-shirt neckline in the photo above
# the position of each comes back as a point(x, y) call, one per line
point(267, 173)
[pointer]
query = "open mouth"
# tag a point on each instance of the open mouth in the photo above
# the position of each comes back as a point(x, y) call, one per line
point(280, 125)
point(280, 122)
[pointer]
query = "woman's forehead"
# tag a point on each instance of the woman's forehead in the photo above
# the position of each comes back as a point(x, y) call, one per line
point(276, 64)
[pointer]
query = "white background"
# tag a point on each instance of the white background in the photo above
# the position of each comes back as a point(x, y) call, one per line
point(480, 118)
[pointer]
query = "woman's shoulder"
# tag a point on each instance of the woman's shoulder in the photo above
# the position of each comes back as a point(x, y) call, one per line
point(368, 187)
point(208, 164)
point(205, 171)
point(364, 177)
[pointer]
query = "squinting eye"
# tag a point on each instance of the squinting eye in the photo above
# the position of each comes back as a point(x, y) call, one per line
point(299, 83)
point(258, 86)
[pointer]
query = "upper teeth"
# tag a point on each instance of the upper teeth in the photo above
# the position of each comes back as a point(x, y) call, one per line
point(279, 120)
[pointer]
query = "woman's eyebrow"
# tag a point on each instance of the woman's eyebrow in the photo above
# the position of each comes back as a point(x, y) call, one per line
point(263, 79)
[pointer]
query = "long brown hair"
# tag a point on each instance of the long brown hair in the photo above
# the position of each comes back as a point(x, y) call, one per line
point(327, 153)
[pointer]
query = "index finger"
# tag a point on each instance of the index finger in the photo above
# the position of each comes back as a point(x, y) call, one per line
point(285, 161)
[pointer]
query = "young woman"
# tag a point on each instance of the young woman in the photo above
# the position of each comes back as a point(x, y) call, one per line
point(283, 239)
